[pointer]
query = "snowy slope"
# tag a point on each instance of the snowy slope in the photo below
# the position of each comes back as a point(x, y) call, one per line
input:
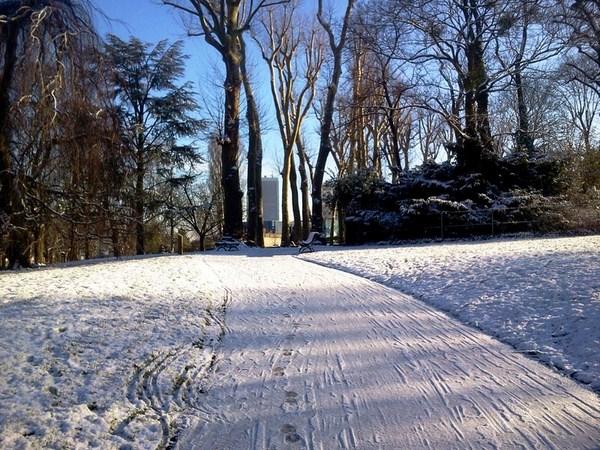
point(540, 295)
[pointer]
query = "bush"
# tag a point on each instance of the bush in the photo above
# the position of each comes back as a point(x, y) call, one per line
point(523, 195)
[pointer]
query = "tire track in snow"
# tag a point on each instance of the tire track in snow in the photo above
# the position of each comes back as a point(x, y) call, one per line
point(171, 382)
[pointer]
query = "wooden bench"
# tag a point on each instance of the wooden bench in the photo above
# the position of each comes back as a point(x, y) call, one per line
point(228, 244)
point(307, 244)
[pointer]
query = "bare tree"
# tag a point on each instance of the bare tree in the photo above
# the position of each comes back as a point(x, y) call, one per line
point(582, 104)
point(44, 30)
point(222, 24)
point(294, 59)
point(581, 19)
point(526, 37)
point(336, 46)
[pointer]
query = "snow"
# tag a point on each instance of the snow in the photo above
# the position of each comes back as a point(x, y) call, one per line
point(76, 344)
point(260, 349)
point(541, 296)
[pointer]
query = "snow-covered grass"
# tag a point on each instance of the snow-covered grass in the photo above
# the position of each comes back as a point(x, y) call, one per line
point(91, 354)
point(540, 295)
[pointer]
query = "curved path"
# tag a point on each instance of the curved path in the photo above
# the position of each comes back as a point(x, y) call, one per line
point(320, 359)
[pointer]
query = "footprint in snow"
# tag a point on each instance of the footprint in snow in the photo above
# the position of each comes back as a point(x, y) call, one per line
point(291, 397)
point(292, 437)
point(288, 428)
point(290, 433)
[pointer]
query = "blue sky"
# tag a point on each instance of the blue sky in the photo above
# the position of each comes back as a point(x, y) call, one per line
point(151, 21)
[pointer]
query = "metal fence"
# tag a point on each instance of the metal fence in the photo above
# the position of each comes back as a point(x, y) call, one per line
point(497, 221)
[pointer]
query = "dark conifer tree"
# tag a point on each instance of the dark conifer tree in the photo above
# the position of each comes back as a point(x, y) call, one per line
point(155, 112)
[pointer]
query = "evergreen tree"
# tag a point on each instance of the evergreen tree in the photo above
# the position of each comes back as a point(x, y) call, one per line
point(155, 112)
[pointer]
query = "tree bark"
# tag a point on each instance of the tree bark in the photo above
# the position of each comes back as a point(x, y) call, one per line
point(232, 193)
point(139, 205)
point(524, 139)
point(297, 228)
point(324, 149)
point(285, 186)
point(477, 145)
point(255, 152)
point(304, 186)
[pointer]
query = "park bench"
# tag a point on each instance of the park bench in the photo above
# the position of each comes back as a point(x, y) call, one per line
point(228, 244)
point(307, 244)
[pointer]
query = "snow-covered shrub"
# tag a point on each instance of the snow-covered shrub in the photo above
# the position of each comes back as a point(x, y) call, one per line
point(441, 200)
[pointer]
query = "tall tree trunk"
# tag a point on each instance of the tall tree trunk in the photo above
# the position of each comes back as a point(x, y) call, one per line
point(297, 229)
point(171, 234)
point(478, 138)
point(304, 185)
point(232, 193)
point(325, 146)
point(341, 219)
point(376, 150)
point(116, 241)
point(524, 139)
point(40, 244)
point(139, 205)
point(255, 152)
point(285, 186)
point(395, 132)
point(327, 118)
point(9, 60)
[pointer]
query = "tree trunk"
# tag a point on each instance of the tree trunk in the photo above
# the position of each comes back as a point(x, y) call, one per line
point(139, 205)
point(9, 59)
point(392, 124)
point(285, 186)
point(303, 188)
point(324, 148)
point(39, 244)
point(116, 242)
point(376, 151)
point(297, 229)
point(171, 235)
point(255, 152)
point(341, 219)
point(232, 193)
point(327, 118)
point(524, 139)
point(477, 125)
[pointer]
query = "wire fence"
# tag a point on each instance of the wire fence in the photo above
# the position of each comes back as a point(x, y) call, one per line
point(498, 221)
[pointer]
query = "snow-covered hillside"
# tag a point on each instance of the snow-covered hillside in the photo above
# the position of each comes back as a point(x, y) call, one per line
point(540, 295)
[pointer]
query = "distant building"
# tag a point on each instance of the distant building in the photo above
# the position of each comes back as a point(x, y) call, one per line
point(271, 206)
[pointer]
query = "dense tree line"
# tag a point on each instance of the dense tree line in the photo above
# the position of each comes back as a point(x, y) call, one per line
point(99, 138)
point(93, 159)
point(496, 86)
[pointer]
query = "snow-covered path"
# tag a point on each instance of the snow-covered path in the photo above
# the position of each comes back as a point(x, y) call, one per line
point(316, 358)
